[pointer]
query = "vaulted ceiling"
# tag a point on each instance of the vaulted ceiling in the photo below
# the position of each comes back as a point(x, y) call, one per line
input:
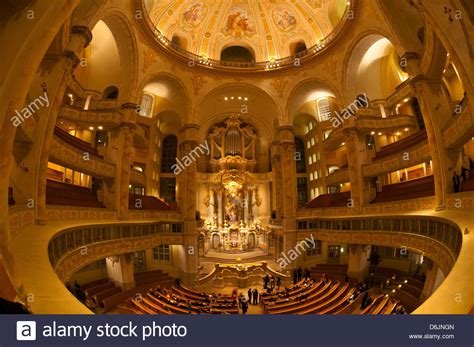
point(266, 27)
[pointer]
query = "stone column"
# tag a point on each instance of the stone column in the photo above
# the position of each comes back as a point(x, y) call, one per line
point(359, 266)
point(219, 208)
point(186, 187)
point(357, 155)
point(120, 270)
point(436, 112)
point(210, 210)
point(20, 64)
point(434, 277)
point(120, 152)
point(56, 83)
point(246, 206)
point(287, 176)
point(255, 206)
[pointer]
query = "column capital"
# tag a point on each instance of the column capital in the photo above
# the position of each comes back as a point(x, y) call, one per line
point(84, 32)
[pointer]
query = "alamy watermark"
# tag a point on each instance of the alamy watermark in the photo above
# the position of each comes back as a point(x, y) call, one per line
point(30, 109)
point(295, 252)
point(188, 159)
point(339, 118)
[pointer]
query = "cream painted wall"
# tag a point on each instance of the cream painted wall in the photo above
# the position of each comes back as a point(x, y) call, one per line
point(104, 65)
point(89, 276)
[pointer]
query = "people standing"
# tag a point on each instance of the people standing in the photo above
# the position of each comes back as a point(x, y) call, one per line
point(249, 294)
point(266, 279)
point(245, 306)
point(278, 282)
point(255, 296)
point(456, 182)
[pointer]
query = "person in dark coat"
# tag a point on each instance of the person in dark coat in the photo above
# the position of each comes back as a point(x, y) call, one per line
point(295, 276)
point(364, 300)
point(249, 294)
point(255, 296)
point(456, 182)
point(278, 282)
point(266, 279)
point(245, 307)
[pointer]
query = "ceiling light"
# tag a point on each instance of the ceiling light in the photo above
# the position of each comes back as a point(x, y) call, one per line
point(232, 98)
point(372, 133)
point(398, 133)
point(100, 127)
point(406, 100)
point(226, 98)
point(91, 128)
point(406, 129)
point(246, 99)
point(342, 144)
point(240, 98)
point(380, 133)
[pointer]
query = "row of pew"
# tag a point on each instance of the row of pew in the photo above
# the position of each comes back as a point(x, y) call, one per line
point(179, 300)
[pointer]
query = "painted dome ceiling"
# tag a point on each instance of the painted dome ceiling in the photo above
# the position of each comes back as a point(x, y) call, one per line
point(269, 28)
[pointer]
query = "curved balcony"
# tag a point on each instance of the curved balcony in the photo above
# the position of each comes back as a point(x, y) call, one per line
point(75, 243)
point(105, 117)
point(460, 128)
point(408, 152)
point(335, 139)
point(70, 155)
point(377, 123)
point(137, 178)
point(73, 248)
point(438, 239)
point(337, 177)
point(175, 53)
point(433, 234)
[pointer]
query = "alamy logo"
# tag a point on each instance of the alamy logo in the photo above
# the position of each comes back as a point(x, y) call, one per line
point(26, 331)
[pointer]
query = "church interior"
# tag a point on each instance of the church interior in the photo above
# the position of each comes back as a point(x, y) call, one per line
point(237, 157)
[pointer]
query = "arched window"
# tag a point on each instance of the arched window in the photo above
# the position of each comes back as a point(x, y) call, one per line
point(297, 47)
point(146, 107)
point(178, 42)
point(111, 92)
point(237, 54)
point(169, 153)
point(324, 109)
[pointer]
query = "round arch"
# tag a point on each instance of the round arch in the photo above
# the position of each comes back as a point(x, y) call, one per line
point(370, 53)
point(305, 91)
point(259, 102)
point(175, 90)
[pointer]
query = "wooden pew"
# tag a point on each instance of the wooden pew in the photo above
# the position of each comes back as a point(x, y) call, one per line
point(373, 304)
point(89, 285)
point(338, 302)
point(310, 302)
point(100, 297)
point(327, 300)
point(97, 289)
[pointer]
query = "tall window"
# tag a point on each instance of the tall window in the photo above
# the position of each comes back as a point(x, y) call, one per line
point(169, 153)
point(300, 158)
point(146, 107)
point(162, 252)
point(302, 190)
point(324, 109)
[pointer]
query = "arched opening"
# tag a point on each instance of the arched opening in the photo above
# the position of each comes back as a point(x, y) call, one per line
point(179, 42)
point(237, 54)
point(110, 93)
point(297, 47)
point(374, 68)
